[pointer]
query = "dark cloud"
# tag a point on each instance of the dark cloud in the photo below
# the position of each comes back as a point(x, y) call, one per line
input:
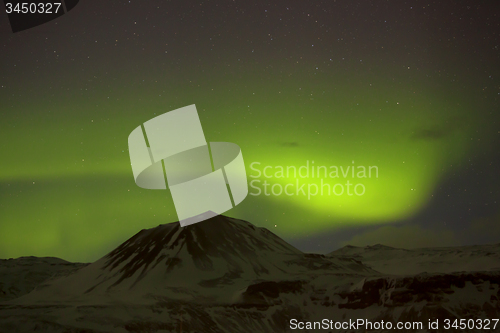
point(290, 144)
point(430, 134)
point(441, 131)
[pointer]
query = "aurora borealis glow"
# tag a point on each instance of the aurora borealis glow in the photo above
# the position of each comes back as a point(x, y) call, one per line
point(410, 88)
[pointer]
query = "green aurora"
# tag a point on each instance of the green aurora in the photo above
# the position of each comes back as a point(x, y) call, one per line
point(66, 182)
point(74, 172)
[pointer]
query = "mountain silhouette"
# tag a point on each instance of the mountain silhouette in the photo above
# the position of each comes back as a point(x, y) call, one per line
point(177, 262)
point(227, 275)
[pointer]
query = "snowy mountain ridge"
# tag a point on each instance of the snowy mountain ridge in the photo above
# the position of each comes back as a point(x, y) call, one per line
point(226, 275)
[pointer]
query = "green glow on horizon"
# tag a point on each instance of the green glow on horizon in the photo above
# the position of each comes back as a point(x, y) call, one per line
point(73, 170)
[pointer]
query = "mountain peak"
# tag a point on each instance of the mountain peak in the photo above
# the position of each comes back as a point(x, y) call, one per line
point(238, 243)
point(174, 262)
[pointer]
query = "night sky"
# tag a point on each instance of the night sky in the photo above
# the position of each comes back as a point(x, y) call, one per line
point(411, 87)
